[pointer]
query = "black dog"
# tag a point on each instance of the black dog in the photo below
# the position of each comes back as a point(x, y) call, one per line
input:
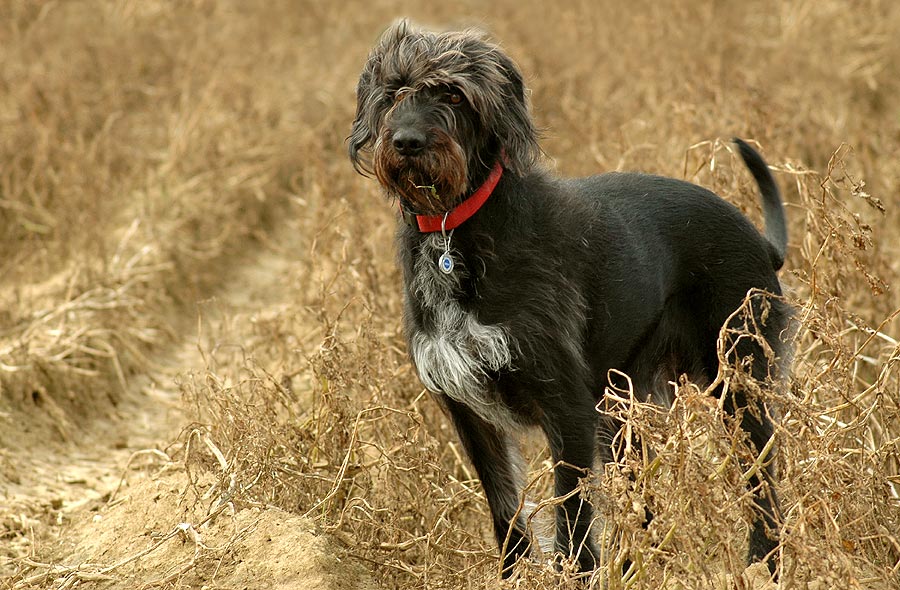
point(522, 291)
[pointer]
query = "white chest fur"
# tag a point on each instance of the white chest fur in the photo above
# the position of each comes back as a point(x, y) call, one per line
point(455, 353)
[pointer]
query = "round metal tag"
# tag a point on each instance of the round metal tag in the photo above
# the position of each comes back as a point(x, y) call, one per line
point(445, 263)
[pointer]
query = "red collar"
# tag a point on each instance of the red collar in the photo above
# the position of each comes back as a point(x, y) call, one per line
point(462, 212)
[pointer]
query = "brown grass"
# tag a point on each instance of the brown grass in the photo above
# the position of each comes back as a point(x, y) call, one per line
point(149, 149)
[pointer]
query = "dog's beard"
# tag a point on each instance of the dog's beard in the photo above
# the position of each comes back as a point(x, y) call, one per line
point(430, 183)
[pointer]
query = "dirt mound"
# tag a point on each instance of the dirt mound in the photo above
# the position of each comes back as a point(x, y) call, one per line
point(155, 534)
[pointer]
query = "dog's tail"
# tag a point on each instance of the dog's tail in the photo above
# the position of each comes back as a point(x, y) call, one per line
point(773, 210)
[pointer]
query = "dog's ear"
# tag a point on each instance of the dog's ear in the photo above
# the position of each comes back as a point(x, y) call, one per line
point(370, 97)
point(513, 125)
point(496, 90)
point(368, 113)
point(364, 128)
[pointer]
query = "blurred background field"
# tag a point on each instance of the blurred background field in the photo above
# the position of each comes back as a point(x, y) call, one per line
point(202, 378)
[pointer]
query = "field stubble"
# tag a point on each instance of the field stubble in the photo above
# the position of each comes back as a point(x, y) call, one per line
point(155, 155)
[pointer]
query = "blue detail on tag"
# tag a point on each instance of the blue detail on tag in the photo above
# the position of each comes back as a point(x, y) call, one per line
point(445, 263)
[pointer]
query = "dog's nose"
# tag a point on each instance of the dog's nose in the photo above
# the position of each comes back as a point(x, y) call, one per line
point(409, 142)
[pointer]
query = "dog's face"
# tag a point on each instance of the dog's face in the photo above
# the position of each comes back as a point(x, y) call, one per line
point(435, 112)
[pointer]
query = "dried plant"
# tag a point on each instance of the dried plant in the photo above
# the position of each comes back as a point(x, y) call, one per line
point(152, 150)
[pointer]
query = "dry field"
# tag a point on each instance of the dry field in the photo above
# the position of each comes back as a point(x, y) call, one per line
point(202, 379)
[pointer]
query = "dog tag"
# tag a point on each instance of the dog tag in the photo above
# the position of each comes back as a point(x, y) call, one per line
point(445, 263)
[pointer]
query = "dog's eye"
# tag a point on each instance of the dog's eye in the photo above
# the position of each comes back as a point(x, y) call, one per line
point(394, 94)
point(454, 98)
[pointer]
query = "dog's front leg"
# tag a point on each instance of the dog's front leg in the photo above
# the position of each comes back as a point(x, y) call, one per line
point(570, 430)
point(495, 456)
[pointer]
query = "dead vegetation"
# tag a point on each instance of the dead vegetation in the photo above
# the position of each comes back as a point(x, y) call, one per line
point(152, 150)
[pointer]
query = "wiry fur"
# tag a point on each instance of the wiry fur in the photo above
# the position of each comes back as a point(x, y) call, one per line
point(443, 172)
point(408, 61)
point(456, 355)
point(558, 283)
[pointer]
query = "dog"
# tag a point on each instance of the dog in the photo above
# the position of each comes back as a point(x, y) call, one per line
point(523, 291)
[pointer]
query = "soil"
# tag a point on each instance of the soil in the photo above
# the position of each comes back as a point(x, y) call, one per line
point(104, 497)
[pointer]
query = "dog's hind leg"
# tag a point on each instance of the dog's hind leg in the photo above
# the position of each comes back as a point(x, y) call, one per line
point(495, 456)
point(764, 532)
point(765, 527)
point(756, 421)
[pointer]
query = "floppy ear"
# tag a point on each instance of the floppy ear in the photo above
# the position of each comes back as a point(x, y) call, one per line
point(365, 123)
point(513, 126)
point(369, 112)
point(370, 97)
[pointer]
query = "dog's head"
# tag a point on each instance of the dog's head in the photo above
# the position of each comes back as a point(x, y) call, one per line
point(434, 112)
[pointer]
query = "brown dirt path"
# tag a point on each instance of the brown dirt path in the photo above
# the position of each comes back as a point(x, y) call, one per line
point(110, 508)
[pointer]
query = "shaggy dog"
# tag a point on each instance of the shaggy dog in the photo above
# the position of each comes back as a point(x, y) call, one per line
point(523, 292)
